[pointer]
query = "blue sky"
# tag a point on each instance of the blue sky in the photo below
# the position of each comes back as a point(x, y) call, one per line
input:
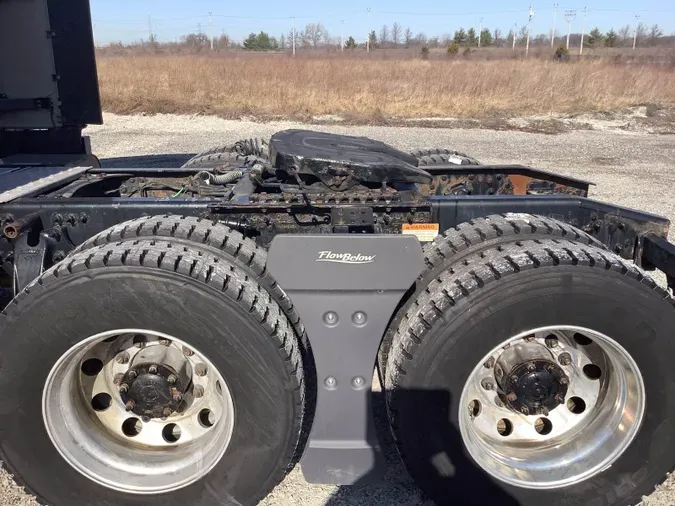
point(127, 20)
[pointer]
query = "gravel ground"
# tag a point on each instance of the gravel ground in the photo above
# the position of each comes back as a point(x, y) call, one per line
point(630, 169)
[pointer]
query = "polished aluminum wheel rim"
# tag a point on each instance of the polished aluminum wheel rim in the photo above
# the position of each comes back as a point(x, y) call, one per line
point(591, 426)
point(97, 434)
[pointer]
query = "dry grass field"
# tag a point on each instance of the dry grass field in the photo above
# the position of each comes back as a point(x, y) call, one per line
point(274, 86)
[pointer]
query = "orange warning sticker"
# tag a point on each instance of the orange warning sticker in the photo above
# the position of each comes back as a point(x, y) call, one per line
point(425, 232)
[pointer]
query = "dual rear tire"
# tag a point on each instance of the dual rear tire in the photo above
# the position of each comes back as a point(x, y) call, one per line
point(487, 283)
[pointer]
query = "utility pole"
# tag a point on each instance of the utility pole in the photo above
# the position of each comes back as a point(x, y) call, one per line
point(368, 36)
point(583, 30)
point(211, 29)
point(480, 31)
point(555, 10)
point(637, 17)
point(293, 30)
point(342, 35)
point(569, 17)
point(529, 24)
point(514, 36)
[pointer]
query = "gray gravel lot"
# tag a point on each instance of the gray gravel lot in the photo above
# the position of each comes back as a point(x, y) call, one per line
point(630, 169)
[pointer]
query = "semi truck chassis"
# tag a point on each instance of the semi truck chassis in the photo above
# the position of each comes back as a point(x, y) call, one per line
point(186, 335)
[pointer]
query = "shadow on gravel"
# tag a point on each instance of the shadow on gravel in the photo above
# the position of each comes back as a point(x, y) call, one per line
point(447, 466)
point(152, 161)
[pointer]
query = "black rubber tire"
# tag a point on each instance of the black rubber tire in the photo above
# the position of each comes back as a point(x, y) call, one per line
point(218, 239)
point(231, 155)
point(212, 236)
point(499, 293)
point(174, 289)
point(471, 237)
point(442, 156)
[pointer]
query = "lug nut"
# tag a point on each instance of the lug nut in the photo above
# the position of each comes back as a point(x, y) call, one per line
point(524, 410)
point(165, 342)
point(171, 379)
point(152, 369)
point(531, 367)
point(514, 379)
point(487, 384)
point(330, 382)
point(146, 418)
point(167, 412)
point(489, 363)
point(132, 374)
point(565, 359)
point(187, 352)
point(177, 397)
point(198, 391)
point(200, 370)
point(529, 339)
point(124, 388)
point(551, 341)
point(564, 381)
point(130, 405)
point(122, 358)
point(118, 379)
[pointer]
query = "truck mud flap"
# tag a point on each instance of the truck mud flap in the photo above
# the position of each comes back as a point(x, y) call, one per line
point(346, 288)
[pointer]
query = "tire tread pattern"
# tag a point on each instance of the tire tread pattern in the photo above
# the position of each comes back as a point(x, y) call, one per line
point(221, 276)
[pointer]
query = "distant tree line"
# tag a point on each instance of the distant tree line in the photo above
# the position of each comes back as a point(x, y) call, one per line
point(316, 36)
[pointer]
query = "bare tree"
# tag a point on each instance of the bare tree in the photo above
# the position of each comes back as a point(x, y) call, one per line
point(624, 35)
point(282, 41)
point(396, 31)
point(384, 34)
point(407, 37)
point(497, 38)
point(313, 34)
point(641, 31)
point(421, 39)
point(654, 33)
point(446, 39)
point(522, 35)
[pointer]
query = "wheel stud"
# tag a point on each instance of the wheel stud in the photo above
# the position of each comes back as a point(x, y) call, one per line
point(487, 384)
point(551, 341)
point(198, 391)
point(172, 379)
point(531, 367)
point(152, 369)
point(524, 410)
point(200, 370)
point(514, 379)
point(132, 374)
point(565, 359)
point(489, 363)
point(122, 358)
point(130, 405)
point(167, 412)
point(124, 388)
point(564, 381)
